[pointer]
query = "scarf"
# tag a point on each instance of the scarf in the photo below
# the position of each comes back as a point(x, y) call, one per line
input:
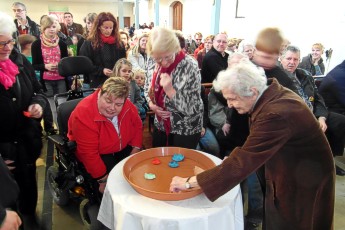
point(157, 93)
point(8, 73)
point(49, 42)
point(108, 40)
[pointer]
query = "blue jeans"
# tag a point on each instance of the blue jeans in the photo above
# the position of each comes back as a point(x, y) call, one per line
point(255, 199)
point(208, 143)
point(85, 87)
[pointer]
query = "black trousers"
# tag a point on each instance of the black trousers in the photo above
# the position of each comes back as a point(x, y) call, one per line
point(160, 139)
point(336, 133)
point(110, 160)
point(25, 175)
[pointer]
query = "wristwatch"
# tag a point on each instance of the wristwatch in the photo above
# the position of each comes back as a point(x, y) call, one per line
point(187, 184)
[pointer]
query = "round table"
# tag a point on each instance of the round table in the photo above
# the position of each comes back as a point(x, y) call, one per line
point(122, 208)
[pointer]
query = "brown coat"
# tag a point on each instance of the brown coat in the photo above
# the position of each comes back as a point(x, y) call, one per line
point(297, 165)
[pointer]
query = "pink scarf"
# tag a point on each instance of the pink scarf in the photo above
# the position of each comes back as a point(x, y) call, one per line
point(8, 73)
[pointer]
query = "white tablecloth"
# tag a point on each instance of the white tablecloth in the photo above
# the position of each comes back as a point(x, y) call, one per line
point(122, 208)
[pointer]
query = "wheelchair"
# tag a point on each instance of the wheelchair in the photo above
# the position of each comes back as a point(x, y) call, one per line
point(67, 178)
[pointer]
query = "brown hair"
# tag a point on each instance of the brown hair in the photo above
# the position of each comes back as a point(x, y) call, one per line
point(95, 32)
point(25, 39)
point(269, 40)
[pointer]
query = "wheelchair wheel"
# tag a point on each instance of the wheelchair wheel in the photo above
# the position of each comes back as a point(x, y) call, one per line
point(60, 196)
point(88, 214)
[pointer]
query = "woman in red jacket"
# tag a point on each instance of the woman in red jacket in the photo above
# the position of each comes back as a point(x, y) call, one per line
point(106, 127)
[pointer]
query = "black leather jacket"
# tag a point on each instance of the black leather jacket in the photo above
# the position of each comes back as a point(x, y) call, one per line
point(310, 89)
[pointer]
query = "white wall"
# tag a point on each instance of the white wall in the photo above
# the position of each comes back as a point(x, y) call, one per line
point(303, 22)
point(37, 8)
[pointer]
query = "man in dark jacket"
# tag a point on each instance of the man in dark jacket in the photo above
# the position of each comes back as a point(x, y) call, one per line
point(332, 89)
point(215, 60)
point(72, 27)
point(23, 23)
point(333, 124)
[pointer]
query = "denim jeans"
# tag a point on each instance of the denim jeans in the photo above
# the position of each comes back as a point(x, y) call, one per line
point(86, 86)
point(255, 199)
point(208, 143)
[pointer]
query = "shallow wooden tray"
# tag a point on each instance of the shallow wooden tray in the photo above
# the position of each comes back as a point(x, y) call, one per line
point(137, 165)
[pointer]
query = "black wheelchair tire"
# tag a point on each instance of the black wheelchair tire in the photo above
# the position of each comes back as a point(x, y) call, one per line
point(60, 196)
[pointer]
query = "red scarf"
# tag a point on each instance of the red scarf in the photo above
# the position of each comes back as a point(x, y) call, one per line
point(157, 92)
point(108, 40)
point(8, 73)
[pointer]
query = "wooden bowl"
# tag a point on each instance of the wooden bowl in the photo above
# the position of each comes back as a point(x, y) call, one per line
point(137, 165)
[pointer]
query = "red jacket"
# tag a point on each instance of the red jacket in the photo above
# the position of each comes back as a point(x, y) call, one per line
point(96, 135)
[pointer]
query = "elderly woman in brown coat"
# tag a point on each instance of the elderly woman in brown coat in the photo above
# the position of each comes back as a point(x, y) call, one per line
point(285, 145)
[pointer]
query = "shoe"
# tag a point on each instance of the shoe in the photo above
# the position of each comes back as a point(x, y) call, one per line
point(251, 226)
point(339, 171)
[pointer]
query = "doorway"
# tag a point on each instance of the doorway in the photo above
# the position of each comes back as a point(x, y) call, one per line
point(177, 10)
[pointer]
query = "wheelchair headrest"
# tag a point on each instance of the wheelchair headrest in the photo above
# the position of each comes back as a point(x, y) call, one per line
point(70, 66)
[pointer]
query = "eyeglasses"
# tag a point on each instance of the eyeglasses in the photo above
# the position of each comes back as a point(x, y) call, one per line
point(166, 59)
point(9, 42)
point(198, 39)
point(18, 10)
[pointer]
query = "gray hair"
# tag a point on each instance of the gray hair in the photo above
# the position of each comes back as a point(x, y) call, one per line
point(241, 78)
point(19, 4)
point(7, 26)
point(244, 43)
point(235, 58)
point(293, 49)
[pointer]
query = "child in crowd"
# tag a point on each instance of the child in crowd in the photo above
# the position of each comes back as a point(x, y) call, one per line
point(139, 78)
point(123, 68)
point(25, 42)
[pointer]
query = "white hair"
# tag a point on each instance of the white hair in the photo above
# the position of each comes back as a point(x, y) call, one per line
point(244, 43)
point(7, 26)
point(241, 78)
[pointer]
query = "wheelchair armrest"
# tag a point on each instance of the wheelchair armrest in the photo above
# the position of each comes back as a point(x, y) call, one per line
point(62, 143)
point(57, 139)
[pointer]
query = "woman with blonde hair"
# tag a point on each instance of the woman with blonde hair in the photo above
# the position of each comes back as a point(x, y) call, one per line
point(174, 92)
point(47, 53)
point(138, 56)
point(313, 62)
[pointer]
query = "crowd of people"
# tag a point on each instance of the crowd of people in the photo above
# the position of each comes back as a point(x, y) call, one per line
point(277, 131)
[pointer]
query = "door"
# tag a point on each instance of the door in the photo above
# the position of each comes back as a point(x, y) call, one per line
point(177, 15)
